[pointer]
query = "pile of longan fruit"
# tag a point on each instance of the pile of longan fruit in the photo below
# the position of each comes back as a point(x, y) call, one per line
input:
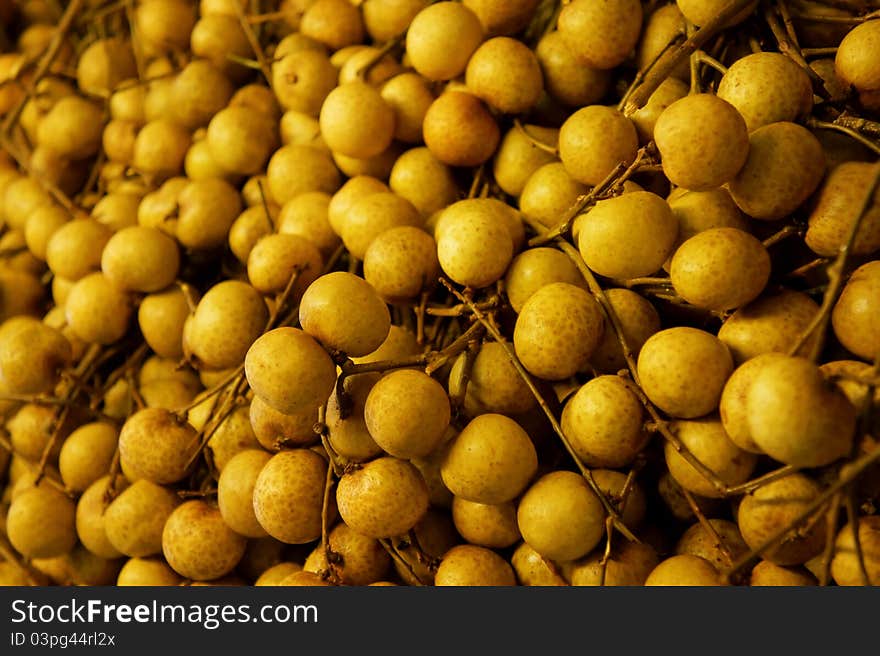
point(401, 292)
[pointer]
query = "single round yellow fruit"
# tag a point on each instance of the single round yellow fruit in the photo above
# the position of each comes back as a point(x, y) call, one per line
point(838, 204)
point(198, 544)
point(684, 570)
point(471, 565)
point(86, 454)
point(857, 55)
point(288, 496)
point(733, 406)
point(601, 35)
point(845, 567)
point(505, 73)
point(441, 39)
point(459, 130)
point(97, 311)
point(638, 321)
point(567, 80)
point(594, 140)
point(140, 259)
point(41, 523)
point(560, 517)
point(156, 444)
point(134, 520)
point(235, 492)
point(276, 258)
point(356, 121)
point(855, 315)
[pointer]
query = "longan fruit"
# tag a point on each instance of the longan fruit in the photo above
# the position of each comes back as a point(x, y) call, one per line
point(289, 370)
point(422, 179)
point(371, 216)
point(682, 370)
point(663, 26)
point(21, 197)
point(379, 166)
point(774, 506)
point(214, 37)
point(407, 413)
point(206, 210)
point(519, 156)
point(41, 523)
point(549, 193)
point(260, 99)
point(160, 148)
point(845, 567)
point(503, 19)
point(197, 543)
point(767, 573)
point(356, 121)
point(560, 517)
point(75, 248)
point(302, 80)
point(161, 316)
point(344, 313)
point(604, 422)
point(275, 259)
point(20, 258)
point(684, 570)
point(240, 140)
point(490, 461)
point(363, 559)
point(199, 164)
point(20, 293)
point(400, 263)
point(43, 222)
point(251, 225)
point(781, 407)
point(709, 444)
point(471, 565)
point(97, 311)
point(638, 321)
point(157, 445)
point(30, 430)
point(856, 55)
point(627, 236)
point(535, 268)
point(459, 129)
point(474, 247)
point(164, 25)
point(140, 259)
point(273, 429)
point(720, 269)
point(698, 541)
point(441, 39)
point(409, 96)
point(32, 354)
point(227, 320)
point(494, 384)
point(295, 169)
point(91, 517)
point(645, 118)
point(629, 564)
point(702, 210)
point(769, 324)
point(612, 485)
point(505, 73)
point(386, 19)
point(78, 567)
point(532, 569)
point(277, 573)
point(567, 80)
point(86, 454)
point(348, 435)
point(300, 128)
point(595, 139)
point(383, 67)
point(766, 87)
point(486, 525)
point(703, 141)
point(117, 210)
point(147, 572)
point(127, 102)
point(72, 128)
point(235, 492)
point(335, 23)
point(104, 64)
point(232, 436)
point(557, 331)
point(733, 406)
point(601, 36)
point(837, 205)
point(134, 520)
point(854, 317)
point(198, 92)
point(785, 165)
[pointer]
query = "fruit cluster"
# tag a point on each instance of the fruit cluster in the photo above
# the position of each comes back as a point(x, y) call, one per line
point(377, 292)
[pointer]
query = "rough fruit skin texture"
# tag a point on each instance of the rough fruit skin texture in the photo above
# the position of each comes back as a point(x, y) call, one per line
point(490, 461)
point(289, 370)
point(155, 444)
point(594, 140)
point(235, 492)
point(134, 520)
point(785, 165)
point(557, 331)
point(198, 544)
point(385, 498)
point(288, 496)
point(41, 523)
point(856, 315)
point(683, 370)
point(470, 565)
point(505, 73)
point(560, 517)
point(627, 236)
point(837, 206)
point(703, 142)
point(856, 59)
point(601, 35)
point(720, 269)
point(462, 249)
point(459, 130)
point(780, 404)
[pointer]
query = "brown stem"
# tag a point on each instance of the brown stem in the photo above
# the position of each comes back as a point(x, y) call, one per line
point(863, 125)
point(830, 538)
point(254, 42)
point(793, 52)
point(844, 129)
point(781, 235)
point(836, 276)
point(707, 526)
point(458, 396)
point(672, 58)
point(852, 517)
point(330, 556)
point(408, 572)
point(755, 483)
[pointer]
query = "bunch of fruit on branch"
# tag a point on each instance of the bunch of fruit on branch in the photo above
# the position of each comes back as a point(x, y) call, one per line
point(401, 292)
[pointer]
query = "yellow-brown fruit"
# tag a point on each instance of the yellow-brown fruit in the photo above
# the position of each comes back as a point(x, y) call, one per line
point(386, 19)
point(147, 572)
point(532, 569)
point(140, 259)
point(855, 61)
point(766, 574)
point(638, 321)
point(72, 128)
point(160, 148)
point(104, 64)
point(74, 249)
point(470, 565)
point(134, 520)
point(363, 560)
point(409, 96)
point(684, 570)
point(845, 567)
point(164, 25)
point(97, 311)
point(401, 263)
point(289, 494)
point(198, 545)
point(459, 129)
point(235, 492)
point(855, 315)
point(505, 18)
point(720, 549)
point(441, 39)
point(601, 35)
point(505, 73)
point(373, 215)
point(157, 445)
point(275, 259)
point(215, 36)
point(535, 268)
point(356, 121)
point(302, 80)
point(595, 139)
point(521, 154)
point(32, 355)
point(161, 317)
point(86, 454)
point(295, 169)
point(335, 23)
point(275, 430)
point(494, 384)
point(733, 406)
point(198, 92)
point(384, 498)
point(90, 517)
point(837, 206)
point(629, 564)
point(41, 523)
point(486, 525)
point(423, 180)
point(240, 140)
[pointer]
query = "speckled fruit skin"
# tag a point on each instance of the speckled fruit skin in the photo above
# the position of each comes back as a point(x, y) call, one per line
point(845, 568)
point(733, 406)
point(384, 498)
point(289, 495)
point(41, 523)
point(557, 331)
point(686, 570)
point(601, 35)
point(198, 544)
point(837, 205)
point(595, 139)
point(470, 565)
point(135, 519)
point(155, 444)
point(856, 315)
